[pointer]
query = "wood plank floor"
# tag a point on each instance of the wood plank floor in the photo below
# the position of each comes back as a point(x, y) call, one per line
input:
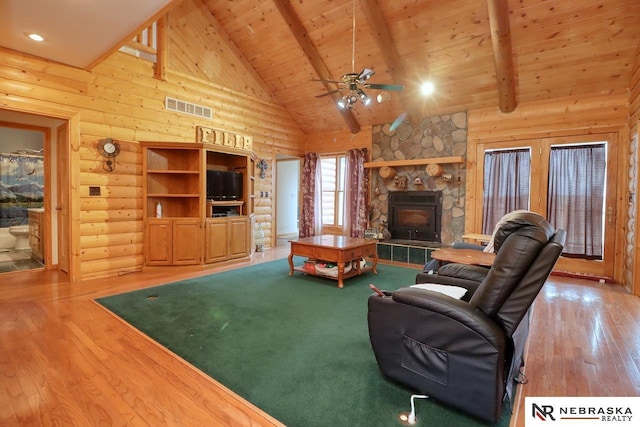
point(64, 360)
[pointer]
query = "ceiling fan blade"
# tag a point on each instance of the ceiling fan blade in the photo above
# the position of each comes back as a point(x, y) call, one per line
point(384, 87)
point(328, 93)
point(365, 74)
point(326, 81)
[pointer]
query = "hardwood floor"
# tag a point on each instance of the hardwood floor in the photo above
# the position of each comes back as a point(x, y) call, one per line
point(64, 360)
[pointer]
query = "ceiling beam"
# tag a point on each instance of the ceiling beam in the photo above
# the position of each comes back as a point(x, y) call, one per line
point(392, 58)
point(502, 54)
point(321, 69)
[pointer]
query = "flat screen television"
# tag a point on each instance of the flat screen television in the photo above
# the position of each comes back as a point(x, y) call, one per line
point(224, 185)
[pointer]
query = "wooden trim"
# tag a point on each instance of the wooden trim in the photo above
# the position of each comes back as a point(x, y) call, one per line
point(162, 53)
point(134, 44)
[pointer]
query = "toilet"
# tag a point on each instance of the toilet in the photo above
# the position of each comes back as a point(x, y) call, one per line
point(21, 233)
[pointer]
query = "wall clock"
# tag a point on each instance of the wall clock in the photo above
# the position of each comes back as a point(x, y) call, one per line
point(109, 149)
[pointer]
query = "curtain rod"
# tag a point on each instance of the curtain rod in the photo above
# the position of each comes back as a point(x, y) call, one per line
point(39, 156)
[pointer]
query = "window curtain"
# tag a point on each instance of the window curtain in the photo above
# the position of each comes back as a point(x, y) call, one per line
point(506, 185)
point(357, 193)
point(310, 184)
point(575, 200)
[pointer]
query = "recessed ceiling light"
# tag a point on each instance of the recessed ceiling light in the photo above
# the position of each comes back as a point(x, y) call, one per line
point(35, 37)
point(427, 88)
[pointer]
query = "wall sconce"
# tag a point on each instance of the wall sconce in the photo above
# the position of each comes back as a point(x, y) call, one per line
point(447, 177)
point(418, 181)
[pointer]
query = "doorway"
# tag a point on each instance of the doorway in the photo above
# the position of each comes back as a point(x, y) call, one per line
point(28, 230)
point(287, 199)
point(584, 205)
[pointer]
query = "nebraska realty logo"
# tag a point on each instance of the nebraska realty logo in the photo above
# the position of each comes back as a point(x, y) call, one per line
point(582, 411)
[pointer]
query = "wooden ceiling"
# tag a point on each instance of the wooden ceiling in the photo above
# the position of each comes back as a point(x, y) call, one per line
point(540, 49)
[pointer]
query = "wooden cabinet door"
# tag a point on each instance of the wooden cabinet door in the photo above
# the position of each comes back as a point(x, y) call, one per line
point(35, 236)
point(158, 242)
point(186, 241)
point(238, 237)
point(216, 233)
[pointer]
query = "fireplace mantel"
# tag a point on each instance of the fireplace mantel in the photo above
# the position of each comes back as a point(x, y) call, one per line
point(415, 162)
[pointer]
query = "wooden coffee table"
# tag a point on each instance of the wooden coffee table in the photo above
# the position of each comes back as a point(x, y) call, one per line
point(335, 249)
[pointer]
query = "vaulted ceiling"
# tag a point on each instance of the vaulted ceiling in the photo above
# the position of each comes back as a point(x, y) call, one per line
point(493, 53)
point(540, 49)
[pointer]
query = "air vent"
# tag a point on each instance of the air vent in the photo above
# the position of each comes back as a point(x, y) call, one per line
point(190, 108)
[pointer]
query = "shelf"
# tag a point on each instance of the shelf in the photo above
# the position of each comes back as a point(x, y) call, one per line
point(172, 195)
point(351, 273)
point(415, 162)
point(230, 203)
point(173, 158)
point(173, 172)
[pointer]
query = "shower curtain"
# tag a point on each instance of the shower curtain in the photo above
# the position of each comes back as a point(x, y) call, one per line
point(21, 187)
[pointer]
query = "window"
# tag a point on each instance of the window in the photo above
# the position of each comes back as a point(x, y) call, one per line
point(333, 171)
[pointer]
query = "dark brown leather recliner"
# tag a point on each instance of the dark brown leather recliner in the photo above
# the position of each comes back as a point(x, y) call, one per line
point(462, 352)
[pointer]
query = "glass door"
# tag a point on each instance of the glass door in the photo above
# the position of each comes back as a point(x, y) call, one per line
point(569, 180)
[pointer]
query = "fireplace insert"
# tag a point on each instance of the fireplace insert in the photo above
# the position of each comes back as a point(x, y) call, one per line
point(415, 215)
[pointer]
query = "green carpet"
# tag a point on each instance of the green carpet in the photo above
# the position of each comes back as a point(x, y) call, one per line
point(297, 347)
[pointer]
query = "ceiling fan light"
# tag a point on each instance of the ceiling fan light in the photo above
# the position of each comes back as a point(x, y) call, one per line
point(342, 104)
point(427, 88)
point(363, 97)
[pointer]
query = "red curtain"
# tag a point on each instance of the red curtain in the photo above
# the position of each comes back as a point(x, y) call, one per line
point(357, 192)
point(307, 218)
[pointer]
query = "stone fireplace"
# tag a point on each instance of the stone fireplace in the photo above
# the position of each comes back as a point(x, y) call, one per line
point(415, 215)
point(432, 137)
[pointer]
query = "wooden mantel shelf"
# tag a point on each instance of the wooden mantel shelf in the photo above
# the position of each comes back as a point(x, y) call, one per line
point(414, 162)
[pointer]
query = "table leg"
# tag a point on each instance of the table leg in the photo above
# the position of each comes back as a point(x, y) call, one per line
point(340, 274)
point(375, 261)
point(291, 264)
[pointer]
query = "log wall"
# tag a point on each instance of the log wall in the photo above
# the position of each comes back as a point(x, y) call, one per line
point(632, 240)
point(337, 142)
point(121, 99)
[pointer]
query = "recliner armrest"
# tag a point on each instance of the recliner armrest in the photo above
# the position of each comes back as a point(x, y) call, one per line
point(452, 310)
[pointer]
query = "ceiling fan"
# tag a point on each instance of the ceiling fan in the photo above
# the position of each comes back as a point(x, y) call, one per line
point(352, 85)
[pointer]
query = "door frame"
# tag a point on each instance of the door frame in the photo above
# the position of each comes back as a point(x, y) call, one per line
point(278, 176)
point(44, 108)
point(540, 149)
